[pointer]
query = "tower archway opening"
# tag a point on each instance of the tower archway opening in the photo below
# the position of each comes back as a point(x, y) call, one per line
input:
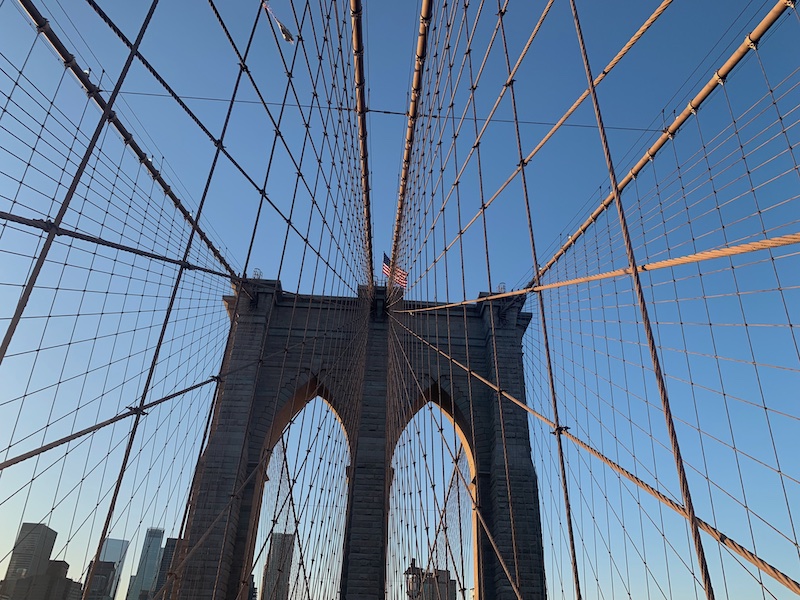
point(431, 529)
point(299, 543)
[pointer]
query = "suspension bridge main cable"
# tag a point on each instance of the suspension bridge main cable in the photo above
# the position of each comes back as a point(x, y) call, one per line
point(361, 112)
point(408, 147)
point(691, 109)
point(555, 126)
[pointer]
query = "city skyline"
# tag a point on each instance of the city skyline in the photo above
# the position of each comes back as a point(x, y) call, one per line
point(31, 574)
point(34, 545)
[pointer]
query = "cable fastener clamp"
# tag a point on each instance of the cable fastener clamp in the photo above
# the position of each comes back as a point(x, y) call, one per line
point(559, 430)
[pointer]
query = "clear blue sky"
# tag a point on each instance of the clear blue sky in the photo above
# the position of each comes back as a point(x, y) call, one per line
point(566, 181)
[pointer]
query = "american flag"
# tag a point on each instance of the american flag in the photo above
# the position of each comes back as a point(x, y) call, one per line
point(400, 276)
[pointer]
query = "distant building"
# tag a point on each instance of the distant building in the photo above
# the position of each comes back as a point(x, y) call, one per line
point(166, 560)
point(114, 551)
point(429, 585)
point(149, 562)
point(31, 575)
point(102, 581)
point(53, 584)
point(275, 585)
point(31, 553)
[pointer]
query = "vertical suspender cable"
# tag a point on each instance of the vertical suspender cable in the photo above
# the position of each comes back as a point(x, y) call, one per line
point(51, 235)
point(694, 104)
point(647, 326)
point(558, 429)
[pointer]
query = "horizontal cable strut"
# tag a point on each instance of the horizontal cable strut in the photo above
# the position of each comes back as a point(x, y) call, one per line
point(43, 26)
point(361, 110)
point(717, 79)
point(413, 108)
point(776, 242)
point(47, 225)
point(720, 537)
point(766, 244)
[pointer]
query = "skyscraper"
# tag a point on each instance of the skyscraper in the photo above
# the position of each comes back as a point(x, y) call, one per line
point(31, 575)
point(31, 553)
point(275, 584)
point(102, 581)
point(53, 584)
point(149, 561)
point(114, 551)
point(166, 560)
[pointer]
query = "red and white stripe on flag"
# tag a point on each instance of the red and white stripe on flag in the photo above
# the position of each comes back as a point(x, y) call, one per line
point(400, 276)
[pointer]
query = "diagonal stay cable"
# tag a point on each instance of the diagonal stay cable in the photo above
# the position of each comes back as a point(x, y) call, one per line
point(691, 109)
point(65, 203)
point(94, 92)
point(608, 68)
point(720, 537)
point(234, 162)
point(512, 581)
point(175, 289)
point(765, 244)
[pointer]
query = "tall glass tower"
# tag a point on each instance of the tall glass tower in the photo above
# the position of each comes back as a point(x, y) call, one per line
point(149, 561)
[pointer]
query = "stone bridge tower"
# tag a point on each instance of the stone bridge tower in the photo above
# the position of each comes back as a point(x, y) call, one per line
point(270, 378)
